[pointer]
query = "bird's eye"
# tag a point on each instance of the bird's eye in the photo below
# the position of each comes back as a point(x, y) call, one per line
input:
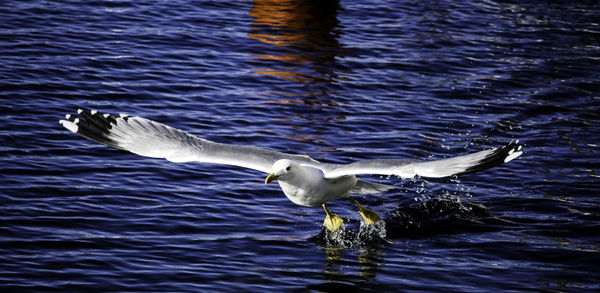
point(288, 168)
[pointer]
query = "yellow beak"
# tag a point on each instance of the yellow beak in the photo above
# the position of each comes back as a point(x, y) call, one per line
point(270, 178)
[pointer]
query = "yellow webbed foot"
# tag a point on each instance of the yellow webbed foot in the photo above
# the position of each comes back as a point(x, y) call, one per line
point(331, 222)
point(370, 216)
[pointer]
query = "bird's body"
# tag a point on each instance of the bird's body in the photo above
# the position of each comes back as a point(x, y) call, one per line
point(307, 186)
point(304, 181)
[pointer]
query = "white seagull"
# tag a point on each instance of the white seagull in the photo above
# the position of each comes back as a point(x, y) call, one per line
point(306, 182)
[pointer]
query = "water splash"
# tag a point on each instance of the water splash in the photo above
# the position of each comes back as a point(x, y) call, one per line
point(352, 235)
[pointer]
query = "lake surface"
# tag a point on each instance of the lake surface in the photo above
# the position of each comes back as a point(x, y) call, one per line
point(337, 80)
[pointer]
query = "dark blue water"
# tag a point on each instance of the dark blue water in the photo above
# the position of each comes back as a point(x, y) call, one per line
point(339, 81)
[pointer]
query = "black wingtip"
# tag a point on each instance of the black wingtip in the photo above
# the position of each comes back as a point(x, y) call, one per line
point(92, 125)
point(498, 156)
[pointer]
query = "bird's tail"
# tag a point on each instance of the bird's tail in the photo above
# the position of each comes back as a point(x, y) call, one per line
point(366, 187)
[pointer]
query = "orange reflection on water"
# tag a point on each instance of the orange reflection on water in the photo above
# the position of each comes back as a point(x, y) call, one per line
point(296, 43)
point(277, 40)
point(288, 75)
point(302, 34)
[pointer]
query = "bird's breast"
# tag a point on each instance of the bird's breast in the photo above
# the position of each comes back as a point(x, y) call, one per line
point(302, 196)
point(314, 195)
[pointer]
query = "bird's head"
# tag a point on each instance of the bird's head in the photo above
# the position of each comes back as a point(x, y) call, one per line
point(282, 170)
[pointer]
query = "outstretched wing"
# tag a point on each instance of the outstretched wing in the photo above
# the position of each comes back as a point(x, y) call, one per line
point(435, 169)
point(152, 139)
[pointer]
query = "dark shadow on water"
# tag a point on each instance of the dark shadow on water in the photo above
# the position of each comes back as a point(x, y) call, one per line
point(438, 216)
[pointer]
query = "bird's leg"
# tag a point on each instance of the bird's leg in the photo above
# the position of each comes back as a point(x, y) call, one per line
point(332, 222)
point(369, 215)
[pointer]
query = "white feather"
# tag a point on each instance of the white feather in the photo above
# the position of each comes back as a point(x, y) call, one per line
point(69, 125)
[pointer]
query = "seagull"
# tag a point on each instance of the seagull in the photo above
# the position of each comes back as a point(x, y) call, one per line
point(304, 181)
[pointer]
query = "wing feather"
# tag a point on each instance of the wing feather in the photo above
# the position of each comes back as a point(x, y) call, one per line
point(156, 140)
point(434, 169)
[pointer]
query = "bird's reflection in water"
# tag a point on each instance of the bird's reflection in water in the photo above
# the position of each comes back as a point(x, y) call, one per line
point(343, 268)
point(368, 258)
point(340, 248)
point(299, 39)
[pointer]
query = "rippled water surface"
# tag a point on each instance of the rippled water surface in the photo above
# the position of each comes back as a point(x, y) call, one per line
point(338, 80)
